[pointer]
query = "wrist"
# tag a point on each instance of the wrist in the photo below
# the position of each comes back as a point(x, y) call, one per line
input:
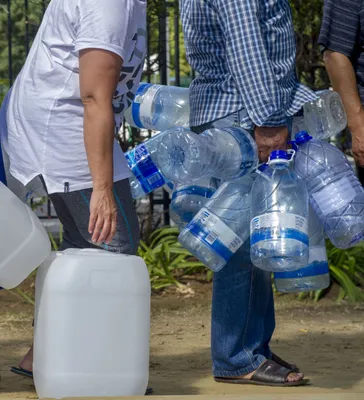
point(103, 186)
point(356, 121)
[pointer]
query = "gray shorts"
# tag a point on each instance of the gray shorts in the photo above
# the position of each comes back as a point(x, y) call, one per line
point(73, 211)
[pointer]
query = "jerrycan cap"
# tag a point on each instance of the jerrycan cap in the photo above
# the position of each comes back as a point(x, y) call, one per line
point(302, 137)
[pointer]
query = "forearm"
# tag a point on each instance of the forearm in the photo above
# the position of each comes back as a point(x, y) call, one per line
point(99, 139)
point(343, 80)
point(99, 74)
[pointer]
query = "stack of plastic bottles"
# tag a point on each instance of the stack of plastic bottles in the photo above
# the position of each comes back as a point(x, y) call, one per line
point(179, 155)
point(222, 199)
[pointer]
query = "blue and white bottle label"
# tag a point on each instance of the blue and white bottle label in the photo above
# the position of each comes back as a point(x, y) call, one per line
point(278, 225)
point(313, 269)
point(142, 107)
point(144, 169)
point(215, 234)
point(317, 265)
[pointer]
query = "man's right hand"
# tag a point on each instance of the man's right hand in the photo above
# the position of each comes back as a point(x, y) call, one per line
point(103, 216)
point(356, 126)
point(270, 139)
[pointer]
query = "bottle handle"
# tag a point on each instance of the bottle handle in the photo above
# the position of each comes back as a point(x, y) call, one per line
point(294, 145)
point(292, 153)
point(259, 172)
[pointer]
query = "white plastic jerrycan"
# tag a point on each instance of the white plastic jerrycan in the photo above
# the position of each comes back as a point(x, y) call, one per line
point(24, 243)
point(92, 325)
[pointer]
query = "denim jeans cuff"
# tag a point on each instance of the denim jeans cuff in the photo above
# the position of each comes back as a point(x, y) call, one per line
point(243, 371)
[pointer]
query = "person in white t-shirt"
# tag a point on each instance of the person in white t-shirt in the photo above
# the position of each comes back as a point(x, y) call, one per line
point(63, 113)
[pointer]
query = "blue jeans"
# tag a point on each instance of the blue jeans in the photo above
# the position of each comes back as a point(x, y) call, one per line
point(243, 318)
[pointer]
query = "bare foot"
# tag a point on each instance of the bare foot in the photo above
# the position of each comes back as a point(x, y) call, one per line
point(27, 362)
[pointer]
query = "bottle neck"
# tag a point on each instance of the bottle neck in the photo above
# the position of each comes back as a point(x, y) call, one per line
point(279, 164)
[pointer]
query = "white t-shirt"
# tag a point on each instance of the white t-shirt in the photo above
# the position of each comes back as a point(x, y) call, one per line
point(44, 112)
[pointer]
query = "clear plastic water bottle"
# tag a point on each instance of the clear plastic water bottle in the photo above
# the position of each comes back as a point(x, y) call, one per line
point(326, 116)
point(222, 225)
point(142, 160)
point(279, 218)
point(187, 200)
point(169, 187)
point(335, 192)
point(159, 107)
point(298, 125)
point(316, 275)
point(226, 154)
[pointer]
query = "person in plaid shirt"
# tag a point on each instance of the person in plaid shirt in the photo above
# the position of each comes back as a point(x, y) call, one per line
point(244, 54)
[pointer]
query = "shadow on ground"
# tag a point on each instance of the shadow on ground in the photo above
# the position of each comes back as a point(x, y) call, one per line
point(324, 364)
point(326, 341)
point(188, 373)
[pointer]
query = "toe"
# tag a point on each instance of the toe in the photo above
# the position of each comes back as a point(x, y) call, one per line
point(295, 377)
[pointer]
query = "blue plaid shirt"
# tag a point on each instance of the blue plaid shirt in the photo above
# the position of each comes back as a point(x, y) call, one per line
point(244, 52)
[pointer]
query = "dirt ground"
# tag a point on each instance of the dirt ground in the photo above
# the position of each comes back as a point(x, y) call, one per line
point(326, 340)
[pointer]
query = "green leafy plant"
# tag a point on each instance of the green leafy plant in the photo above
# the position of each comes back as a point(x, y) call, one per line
point(168, 262)
point(347, 271)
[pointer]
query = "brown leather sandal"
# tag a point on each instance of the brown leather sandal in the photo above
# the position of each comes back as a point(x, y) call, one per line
point(284, 364)
point(268, 374)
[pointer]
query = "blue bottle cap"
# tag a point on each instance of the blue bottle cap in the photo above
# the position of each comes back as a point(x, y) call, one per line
point(302, 137)
point(279, 155)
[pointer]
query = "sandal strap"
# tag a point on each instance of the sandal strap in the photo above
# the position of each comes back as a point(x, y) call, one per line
point(271, 372)
point(283, 363)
